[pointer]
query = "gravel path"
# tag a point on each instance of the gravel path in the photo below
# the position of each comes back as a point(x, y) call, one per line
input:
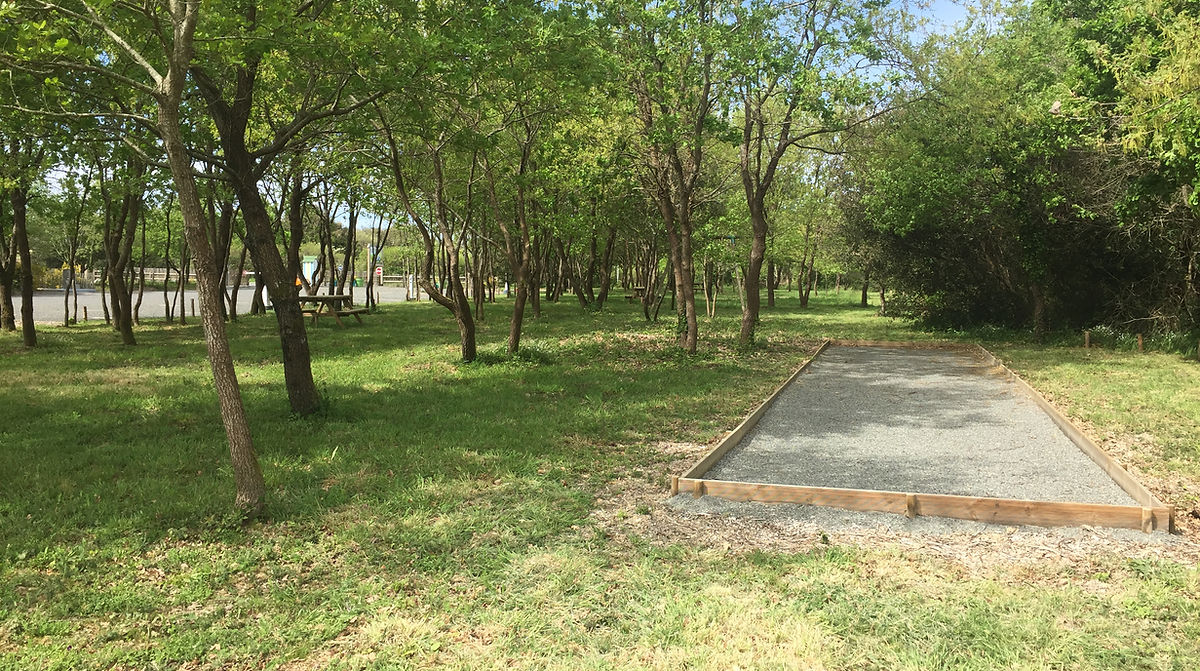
point(914, 420)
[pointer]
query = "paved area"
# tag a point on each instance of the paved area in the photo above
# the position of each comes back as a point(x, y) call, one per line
point(48, 303)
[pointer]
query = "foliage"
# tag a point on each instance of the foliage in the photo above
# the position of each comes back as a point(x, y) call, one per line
point(1024, 188)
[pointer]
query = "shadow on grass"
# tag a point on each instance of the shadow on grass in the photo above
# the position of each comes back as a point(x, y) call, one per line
point(104, 444)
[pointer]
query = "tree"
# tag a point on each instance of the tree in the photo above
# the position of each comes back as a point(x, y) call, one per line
point(669, 59)
point(115, 34)
point(308, 59)
point(796, 79)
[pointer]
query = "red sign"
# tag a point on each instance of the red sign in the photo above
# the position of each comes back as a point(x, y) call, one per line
point(379, 270)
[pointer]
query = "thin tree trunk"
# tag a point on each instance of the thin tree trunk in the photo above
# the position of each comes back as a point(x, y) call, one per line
point(141, 277)
point(237, 285)
point(248, 479)
point(184, 273)
point(770, 283)
point(19, 198)
point(67, 290)
point(7, 314)
point(606, 268)
point(104, 297)
point(168, 309)
point(866, 286)
point(752, 272)
point(8, 269)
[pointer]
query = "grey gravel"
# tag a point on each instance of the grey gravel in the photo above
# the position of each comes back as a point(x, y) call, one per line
point(914, 420)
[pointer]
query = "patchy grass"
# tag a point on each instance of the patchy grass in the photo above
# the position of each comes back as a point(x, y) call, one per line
point(437, 514)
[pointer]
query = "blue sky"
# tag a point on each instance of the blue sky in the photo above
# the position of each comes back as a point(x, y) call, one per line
point(946, 13)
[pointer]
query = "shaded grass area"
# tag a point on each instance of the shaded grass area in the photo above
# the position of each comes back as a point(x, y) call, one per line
point(436, 513)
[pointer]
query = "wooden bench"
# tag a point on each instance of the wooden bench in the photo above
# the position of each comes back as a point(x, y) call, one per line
point(352, 311)
point(318, 305)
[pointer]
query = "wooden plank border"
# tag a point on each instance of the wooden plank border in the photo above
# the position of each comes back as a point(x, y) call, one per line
point(1149, 515)
point(912, 504)
point(732, 438)
point(1124, 479)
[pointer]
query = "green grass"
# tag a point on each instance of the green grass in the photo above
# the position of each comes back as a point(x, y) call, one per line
point(437, 514)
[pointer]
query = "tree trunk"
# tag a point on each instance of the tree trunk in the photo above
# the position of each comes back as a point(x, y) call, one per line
point(681, 246)
point(518, 314)
point(104, 297)
point(346, 277)
point(753, 271)
point(167, 307)
point(67, 282)
point(20, 199)
point(118, 252)
point(248, 478)
point(231, 124)
point(770, 283)
point(185, 274)
point(137, 306)
point(257, 305)
point(533, 281)
point(293, 336)
point(237, 285)
point(8, 320)
point(866, 286)
point(1039, 317)
point(606, 268)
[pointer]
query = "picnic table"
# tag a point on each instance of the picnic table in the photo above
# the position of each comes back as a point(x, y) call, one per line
point(337, 305)
point(639, 292)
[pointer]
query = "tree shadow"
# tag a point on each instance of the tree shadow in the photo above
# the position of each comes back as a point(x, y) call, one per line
point(117, 446)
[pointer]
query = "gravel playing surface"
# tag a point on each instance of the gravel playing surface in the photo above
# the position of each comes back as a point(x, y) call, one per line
point(914, 420)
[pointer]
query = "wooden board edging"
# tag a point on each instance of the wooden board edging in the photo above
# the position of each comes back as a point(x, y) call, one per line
point(732, 438)
point(1151, 514)
point(913, 504)
point(1124, 479)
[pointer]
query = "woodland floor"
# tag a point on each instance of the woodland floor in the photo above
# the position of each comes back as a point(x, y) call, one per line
point(510, 514)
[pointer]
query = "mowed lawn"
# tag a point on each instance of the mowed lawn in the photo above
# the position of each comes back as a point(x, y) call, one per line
point(437, 514)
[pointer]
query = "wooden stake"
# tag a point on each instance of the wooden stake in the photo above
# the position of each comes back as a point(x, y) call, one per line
point(1087, 339)
point(910, 505)
point(85, 313)
point(193, 307)
point(1141, 343)
point(674, 485)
